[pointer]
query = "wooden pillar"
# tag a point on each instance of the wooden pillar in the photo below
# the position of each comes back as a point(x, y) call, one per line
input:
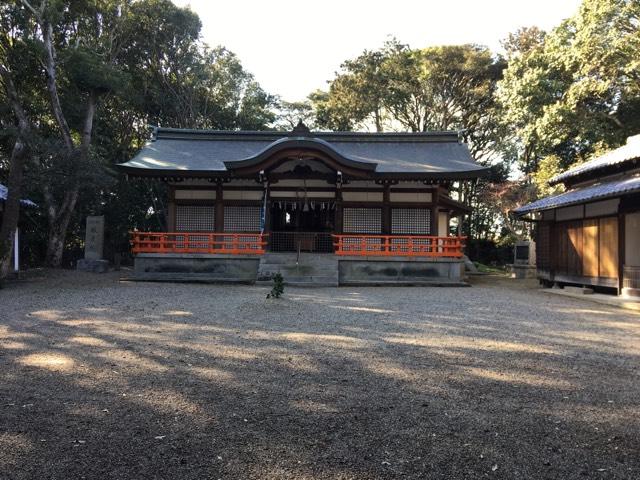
point(219, 209)
point(338, 212)
point(621, 250)
point(267, 212)
point(171, 210)
point(434, 212)
point(386, 209)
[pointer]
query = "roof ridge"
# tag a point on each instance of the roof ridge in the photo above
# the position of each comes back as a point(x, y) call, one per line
point(186, 133)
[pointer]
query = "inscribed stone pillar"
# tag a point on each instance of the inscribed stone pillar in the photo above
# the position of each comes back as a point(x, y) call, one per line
point(93, 247)
point(94, 239)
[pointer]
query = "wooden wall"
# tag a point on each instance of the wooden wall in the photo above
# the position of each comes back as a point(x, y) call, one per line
point(579, 248)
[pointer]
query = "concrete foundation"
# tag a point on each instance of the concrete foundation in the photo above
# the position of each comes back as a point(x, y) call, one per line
point(178, 267)
point(311, 269)
point(400, 271)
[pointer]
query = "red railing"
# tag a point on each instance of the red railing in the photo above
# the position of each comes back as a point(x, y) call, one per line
point(190, 242)
point(256, 244)
point(398, 245)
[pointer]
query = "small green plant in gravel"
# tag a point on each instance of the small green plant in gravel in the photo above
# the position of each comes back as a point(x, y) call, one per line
point(278, 286)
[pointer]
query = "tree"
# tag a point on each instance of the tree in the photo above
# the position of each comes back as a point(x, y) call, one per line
point(436, 88)
point(83, 34)
point(290, 113)
point(577, 88)
point(548, 167)
point(523, 41)
point(502, 198)
point(17, 160)
point(356, 95)
point(90, 77)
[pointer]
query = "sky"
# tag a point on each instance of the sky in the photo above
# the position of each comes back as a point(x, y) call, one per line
point(293, 47)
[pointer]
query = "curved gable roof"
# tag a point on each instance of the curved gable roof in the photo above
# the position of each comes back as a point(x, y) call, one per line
point(207, 152)
point(300, 143)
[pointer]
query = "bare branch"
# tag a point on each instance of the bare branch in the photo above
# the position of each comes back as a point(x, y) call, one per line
point(12, 96)
point(29, 7)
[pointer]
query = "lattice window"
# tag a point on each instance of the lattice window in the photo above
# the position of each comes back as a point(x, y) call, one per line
point(362, 220)
point(241, 218)
point(195, 218)
point(411, 221)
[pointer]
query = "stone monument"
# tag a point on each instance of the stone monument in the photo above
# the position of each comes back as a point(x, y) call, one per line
point(93, 245)
point(524, 261)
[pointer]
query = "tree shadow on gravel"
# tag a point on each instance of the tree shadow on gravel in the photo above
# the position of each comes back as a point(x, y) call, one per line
point(190, 381)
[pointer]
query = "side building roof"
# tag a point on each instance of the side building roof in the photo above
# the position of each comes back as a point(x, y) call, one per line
point(597, 191)
point(210, 152)
point(624, 157)
point(606, 177)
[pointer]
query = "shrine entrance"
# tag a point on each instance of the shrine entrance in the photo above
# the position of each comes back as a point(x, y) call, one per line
point(305, 225)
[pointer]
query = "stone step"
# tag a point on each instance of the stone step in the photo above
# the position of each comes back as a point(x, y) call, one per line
point(314, 283)
point(305, 282)
point(287, 275)
point(303, 278)
point(328, 260)
point(310, 269)
point(301, 267)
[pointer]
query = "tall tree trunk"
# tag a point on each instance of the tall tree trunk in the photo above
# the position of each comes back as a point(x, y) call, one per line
point(58, 220)
point(11, 211)
point(378, 120)
point(17, 161)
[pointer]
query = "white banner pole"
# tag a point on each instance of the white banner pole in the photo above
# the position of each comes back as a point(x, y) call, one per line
point(16, 252)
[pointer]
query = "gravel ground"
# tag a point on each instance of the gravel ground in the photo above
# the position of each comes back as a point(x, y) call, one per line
point(102, 379)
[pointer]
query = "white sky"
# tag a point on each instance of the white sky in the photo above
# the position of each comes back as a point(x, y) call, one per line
point(294, 47)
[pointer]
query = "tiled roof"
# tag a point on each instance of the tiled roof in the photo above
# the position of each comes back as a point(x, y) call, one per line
point(437, 153)
point(578, 195)
point(628, 152)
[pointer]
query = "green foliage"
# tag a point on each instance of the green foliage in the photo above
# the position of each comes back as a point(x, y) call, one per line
point(575, 88)
point(565, 96)
point(89, 73)
point(290, 113)
point(522, 41)
point(437, 88)
point(145, 64)
point(278, 286)
point(548, 167)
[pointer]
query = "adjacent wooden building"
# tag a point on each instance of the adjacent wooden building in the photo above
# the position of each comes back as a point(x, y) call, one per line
point(352, 197)
point(590, 234)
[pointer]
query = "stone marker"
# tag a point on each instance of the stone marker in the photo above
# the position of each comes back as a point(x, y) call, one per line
point(93, 246)
point(524, 261)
